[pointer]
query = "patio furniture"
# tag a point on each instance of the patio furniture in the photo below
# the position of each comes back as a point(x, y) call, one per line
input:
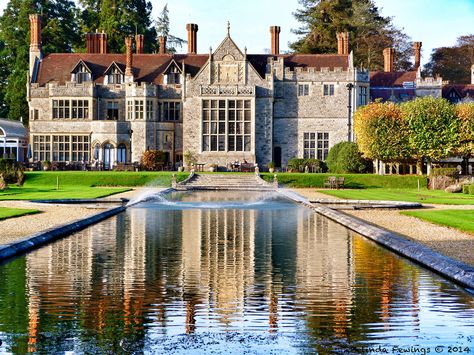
point(330, 182)
point(340, 182)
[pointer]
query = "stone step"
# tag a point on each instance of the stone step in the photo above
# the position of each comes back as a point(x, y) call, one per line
point(225, 182)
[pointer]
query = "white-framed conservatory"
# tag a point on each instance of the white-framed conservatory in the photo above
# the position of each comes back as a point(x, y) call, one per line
point(13, 140)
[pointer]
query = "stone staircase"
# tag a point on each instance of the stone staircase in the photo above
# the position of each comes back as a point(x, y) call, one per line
point(244, 182)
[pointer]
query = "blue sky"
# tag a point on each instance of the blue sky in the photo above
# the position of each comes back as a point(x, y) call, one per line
point(434, 22)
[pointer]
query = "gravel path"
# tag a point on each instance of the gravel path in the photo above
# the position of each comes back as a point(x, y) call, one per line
point(448, 241)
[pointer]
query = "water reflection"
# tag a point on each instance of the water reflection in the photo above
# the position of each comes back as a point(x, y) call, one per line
point(266, 276)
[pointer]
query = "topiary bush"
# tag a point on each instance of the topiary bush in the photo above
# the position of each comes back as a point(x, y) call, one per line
point(465, 188)
point(9, 170)
point(344, 158)
point(471, 189)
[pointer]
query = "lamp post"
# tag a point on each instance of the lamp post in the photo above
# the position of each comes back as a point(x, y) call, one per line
point(349, 87)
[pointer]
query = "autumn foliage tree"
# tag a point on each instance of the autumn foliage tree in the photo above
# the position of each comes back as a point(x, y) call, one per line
point(433, 128)
point(465, 114)
point(382, 133)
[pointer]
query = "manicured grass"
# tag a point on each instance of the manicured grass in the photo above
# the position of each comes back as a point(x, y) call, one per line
point(352, 181)
point(14, 212)
point(84, 184)
point(459, 219)
point(409, 195)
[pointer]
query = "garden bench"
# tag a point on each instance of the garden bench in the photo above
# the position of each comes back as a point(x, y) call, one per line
point(330, 182)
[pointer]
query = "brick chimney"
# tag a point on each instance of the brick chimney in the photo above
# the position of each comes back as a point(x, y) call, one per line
point(96, 42)
point(35, 42)
point(140, 44)
point(129, 65)
point(192, 37)
point(342, 43)
point(388, 59)
point(162, 44)
point(275, 38)
point(472, 74)
point(417, 49)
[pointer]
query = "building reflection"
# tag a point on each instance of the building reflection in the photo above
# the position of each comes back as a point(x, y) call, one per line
point(171, 271)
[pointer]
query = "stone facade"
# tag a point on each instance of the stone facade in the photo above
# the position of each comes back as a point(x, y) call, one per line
point(260, 108)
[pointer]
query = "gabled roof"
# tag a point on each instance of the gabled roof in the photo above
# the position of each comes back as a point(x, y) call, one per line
point(12, 129)
point(149, 68)
point(79, 63)
point(171, 64)
point(391, 79)
point(120, 67)
point(146, 67)
point(462, 90)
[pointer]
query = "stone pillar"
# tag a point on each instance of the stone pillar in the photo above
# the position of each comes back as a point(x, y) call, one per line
point(162, 44)
point(389, 59)
point(192, 37)
point(140, 43)
point(417, 49)
point(275, 39)
point(35, 42)
point(129, 65)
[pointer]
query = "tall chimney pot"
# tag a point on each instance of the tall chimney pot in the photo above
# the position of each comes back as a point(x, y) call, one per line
point(162, 44)
point(342, 43)
point(35, 32)
point(140, 43)
point(275, 38)
point(389, 59)
point(129, 65)
point(192, 37)
point(417, 48)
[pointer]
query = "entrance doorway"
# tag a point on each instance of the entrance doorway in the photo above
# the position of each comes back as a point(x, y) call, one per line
point(277, 157)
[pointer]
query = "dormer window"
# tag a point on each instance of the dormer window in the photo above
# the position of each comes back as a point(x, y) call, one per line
point(172, 74)
point(113, 74)
point(81, 73)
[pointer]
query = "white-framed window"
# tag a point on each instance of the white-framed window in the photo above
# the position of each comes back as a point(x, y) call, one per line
point(328, 90)
point(61, 109)
point(130, 110)
point(121, 153)
point(316, 145)
point(41, 148)
point(173, 76)
point(363, 95)
point(149, 110)
point(61, 148)
point(303, 89)
point(226, 125)
point(80, 109)
point(139, 109)
point(171, 111)
point(82, 74)
point(34, 114)
point(80, 148)
point(114, 76)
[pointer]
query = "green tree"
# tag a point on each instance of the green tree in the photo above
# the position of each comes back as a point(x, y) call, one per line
point(163, 29)
point(465, 115)
point(369, 32)
point(453, 63)
point(433, 128)
point(59, 34)
point(345, 157)
point(119, 19)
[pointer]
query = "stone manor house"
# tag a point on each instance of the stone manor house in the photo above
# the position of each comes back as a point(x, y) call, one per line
point(223, 106)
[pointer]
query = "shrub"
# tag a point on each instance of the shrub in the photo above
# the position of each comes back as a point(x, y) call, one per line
point(444, 172)
point(345, 157)
point(190, 158)
point(298, 165)
point(152, 159)
point(8, 169)
point(465, 188)
point(3, 183)
point(471, 189)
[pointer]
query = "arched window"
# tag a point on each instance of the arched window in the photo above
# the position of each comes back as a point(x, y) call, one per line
point(122, 153)
point(108, 156)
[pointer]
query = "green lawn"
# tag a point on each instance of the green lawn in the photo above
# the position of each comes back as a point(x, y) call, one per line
point(409, 195)
point(14, 212)
point(459, 219)
point(84, 184)
point(352, 181)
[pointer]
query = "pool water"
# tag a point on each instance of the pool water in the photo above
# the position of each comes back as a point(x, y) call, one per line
point(225, 273)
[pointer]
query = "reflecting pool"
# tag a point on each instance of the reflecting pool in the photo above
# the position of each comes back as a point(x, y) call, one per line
point(225, 273)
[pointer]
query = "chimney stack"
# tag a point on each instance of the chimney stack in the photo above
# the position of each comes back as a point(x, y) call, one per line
point(388, 59)
point(417, 48)
point(162, 44)
point(96, 43)
point(35, 43)
point(192, 37)
point(275, 32)
point(342, 43)
point(140, 43)
point(129, 65)
point(472, 74)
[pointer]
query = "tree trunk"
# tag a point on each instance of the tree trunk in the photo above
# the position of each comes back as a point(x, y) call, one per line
point(397, 166)
point(375, 163)
point(419, 166)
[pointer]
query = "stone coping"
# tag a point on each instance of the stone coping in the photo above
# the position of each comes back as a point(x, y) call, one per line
point(39, 239)
point(449, 268)
point(84, 200)
point(358, 204)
